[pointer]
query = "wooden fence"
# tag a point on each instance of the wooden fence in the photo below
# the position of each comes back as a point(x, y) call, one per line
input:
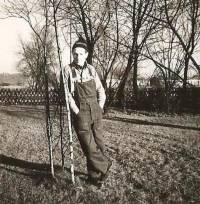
point(149, 99)
point(26, 96)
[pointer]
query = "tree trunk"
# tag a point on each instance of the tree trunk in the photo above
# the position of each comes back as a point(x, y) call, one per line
point(90, 53)
point(185, 77)
point(120, 92)
point(135, 85)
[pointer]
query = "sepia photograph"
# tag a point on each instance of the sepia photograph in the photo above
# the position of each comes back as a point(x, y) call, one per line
point(100, 101)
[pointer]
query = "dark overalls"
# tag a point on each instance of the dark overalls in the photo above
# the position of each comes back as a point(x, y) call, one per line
point(88, 127)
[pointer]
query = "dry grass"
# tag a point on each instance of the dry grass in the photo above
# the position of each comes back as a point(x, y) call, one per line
point(156, 159)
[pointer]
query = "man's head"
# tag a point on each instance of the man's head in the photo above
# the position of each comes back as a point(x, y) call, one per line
point(80, 51)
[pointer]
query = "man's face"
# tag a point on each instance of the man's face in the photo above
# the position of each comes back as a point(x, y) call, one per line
point(80, 55)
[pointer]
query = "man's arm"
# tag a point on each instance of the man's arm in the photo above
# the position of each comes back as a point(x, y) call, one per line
point(72, 104)
point(101, 96)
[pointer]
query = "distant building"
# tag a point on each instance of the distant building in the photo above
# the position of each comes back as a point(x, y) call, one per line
point(195, 80)
point(12, 80)
point(153, 82)
point(143, 82)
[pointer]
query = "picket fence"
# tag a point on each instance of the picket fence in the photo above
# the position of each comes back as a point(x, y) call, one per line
point(27, 96)
point(149, 99)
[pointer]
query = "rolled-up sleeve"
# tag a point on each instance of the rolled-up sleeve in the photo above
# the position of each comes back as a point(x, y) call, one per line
point(101, 96)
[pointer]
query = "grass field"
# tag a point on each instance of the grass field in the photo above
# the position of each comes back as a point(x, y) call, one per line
point(156, 159)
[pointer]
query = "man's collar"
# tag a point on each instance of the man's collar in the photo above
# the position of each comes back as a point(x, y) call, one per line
point(78, 66)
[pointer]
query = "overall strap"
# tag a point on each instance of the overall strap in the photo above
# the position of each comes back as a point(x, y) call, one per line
point(91, 70)
point(73, 72)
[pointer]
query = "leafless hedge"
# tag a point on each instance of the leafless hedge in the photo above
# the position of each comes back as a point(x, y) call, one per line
point(157, 99)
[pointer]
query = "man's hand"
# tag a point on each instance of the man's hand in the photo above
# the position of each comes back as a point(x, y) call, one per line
point(76, 111)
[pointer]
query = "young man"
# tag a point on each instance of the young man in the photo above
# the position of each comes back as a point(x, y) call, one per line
point(86, 99)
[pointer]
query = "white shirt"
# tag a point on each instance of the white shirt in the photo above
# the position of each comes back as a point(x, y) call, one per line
point(83, 75)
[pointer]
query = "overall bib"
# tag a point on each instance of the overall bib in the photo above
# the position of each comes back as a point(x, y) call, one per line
point(88, 127)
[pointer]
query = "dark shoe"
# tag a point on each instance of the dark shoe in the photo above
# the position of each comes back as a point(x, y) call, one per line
point(94, 181)
point(105, 176)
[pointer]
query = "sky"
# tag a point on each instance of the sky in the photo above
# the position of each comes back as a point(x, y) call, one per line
point(11, 30)
point(14, 29)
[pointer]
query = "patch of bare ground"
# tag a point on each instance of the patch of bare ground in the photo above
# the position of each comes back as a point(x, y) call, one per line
point(156, 159)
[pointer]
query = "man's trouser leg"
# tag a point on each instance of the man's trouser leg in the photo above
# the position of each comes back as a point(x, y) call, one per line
point(92, 147)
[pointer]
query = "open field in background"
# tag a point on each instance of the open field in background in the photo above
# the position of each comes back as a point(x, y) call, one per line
point(156, 159)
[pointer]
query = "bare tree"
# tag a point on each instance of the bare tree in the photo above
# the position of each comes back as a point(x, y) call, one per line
point(182, 17)
point(32, 61)
point(106, 54)
point(187, 30)
point(36, 14)
point(89, 18)
point(137, 26)
point(168, 56)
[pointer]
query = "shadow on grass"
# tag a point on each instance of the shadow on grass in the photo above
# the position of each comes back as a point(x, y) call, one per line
point(35, 112)
point(37, 170)
point(143, 122)
point(21, 111)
